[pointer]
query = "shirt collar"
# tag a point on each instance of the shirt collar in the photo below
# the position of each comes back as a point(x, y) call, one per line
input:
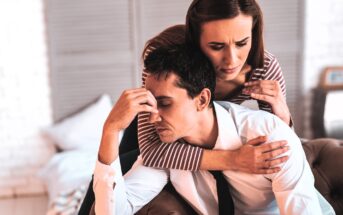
point(228, 138)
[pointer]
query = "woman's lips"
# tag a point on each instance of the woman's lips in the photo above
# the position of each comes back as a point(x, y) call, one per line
point(230, 70)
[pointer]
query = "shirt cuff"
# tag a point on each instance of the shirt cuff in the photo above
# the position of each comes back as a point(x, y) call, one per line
point(107, 173)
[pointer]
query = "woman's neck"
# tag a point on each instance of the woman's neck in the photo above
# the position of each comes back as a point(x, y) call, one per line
point(226, 88)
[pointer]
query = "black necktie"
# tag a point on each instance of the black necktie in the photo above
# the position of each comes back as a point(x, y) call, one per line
point(225, 202)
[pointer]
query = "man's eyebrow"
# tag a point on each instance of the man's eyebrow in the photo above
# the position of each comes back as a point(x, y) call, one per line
point(163, 97)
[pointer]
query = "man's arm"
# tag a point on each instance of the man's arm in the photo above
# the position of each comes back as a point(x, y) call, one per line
point(293, 185)
point(113, 193)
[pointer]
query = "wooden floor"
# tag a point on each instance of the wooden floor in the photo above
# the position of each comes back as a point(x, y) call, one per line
point(33, 205)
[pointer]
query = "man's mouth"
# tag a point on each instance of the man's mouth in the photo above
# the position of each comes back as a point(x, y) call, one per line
point(161, 130)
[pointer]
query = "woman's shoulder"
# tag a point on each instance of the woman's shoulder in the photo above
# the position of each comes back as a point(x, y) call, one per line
point(268, 58)
point(270, 63)
point(271, 67)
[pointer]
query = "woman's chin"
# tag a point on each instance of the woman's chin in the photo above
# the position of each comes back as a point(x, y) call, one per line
point(227, 77)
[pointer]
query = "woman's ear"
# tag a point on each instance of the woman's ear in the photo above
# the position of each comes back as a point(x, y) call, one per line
point(204, 99)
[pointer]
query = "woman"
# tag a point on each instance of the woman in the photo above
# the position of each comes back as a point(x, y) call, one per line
point(229, 33)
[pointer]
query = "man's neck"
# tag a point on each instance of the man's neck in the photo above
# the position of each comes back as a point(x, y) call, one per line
point(205, 132)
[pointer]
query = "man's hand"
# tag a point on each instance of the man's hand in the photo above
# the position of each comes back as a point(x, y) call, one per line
point(130, 103)
point(258, 158)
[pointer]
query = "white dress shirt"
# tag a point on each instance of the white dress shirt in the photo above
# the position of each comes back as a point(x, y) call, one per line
point(290, 191)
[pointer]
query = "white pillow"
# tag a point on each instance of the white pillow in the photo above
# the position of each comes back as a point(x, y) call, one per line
point(82, 130)
point(66, 171)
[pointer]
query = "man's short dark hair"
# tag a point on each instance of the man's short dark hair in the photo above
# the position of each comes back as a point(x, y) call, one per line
point(193, 68)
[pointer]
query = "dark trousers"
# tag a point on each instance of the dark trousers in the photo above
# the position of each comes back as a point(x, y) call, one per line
point(128, 153)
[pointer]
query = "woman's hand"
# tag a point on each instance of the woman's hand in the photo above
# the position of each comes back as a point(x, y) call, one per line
point(270, 92)
point(255, 157)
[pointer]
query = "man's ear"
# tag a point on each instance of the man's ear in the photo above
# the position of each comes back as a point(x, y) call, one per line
point(203, 99)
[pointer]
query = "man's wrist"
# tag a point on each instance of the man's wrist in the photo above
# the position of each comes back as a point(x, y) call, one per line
point(108, 150)
point(110, 129)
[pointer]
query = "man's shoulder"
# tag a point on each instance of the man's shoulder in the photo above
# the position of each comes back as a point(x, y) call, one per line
point(241, 112)
point(245, 119)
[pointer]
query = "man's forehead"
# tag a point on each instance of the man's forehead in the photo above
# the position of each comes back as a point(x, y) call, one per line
point(163, 81)
point(163, 85)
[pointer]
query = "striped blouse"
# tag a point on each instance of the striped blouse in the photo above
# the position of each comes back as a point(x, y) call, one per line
point(178, 155)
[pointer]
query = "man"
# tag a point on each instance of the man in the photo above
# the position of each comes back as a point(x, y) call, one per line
point(178, 97)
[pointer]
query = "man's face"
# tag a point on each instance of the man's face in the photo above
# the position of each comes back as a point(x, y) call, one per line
point(177, 112)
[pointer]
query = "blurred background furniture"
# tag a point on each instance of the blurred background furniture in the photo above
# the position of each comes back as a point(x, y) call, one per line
point(327, 114)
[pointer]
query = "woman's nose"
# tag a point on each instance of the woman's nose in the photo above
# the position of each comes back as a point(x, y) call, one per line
point(230, 56)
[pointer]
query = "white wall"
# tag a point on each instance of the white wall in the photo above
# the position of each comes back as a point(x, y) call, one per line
point(24, 97)
point(323, 36)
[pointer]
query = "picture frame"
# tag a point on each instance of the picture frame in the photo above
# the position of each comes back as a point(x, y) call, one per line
point(332, 78)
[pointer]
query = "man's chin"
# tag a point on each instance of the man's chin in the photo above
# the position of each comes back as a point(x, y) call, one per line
point(166, 139)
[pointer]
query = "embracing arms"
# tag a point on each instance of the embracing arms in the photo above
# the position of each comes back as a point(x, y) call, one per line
point(253, 157)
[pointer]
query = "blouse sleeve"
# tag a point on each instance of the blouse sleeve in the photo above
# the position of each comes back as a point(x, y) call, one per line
point(157, 154)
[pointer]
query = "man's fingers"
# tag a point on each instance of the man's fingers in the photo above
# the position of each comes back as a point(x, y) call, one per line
point(257, 140)
point(146, 108)
point(135, 90)
point(152, 101)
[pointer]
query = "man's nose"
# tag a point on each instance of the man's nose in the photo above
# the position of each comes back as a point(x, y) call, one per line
point(155, 117)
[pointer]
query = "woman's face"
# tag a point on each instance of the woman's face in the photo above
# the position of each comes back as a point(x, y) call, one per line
point(227, 43)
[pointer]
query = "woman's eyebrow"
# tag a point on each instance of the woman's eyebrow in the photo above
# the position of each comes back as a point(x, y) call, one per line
point(243, 40)
point(222, 43)
point(215, 43)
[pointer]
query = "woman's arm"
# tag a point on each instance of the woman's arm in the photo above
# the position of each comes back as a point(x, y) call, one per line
point(251, 157)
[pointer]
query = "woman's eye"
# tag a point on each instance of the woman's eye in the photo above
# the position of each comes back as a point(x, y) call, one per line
point(217, 47)
point(240, 44)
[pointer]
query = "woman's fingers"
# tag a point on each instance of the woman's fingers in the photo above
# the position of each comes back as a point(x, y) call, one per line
point(262, 83)
point(268, 147)
point(268, 170)
point(262, 91)
point(257, 141)
point(265, 98)
point(275, 153)
point(263, 87)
